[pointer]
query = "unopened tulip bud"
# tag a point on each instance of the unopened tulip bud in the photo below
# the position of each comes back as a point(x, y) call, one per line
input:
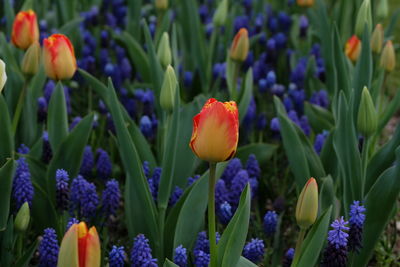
point(215, 131)
point(220, 14)
point(3, 75)
point(353, 48)
point(240, 46)
point(59, 57)
point(307, 204)
point(382, 10)
point(388, 57)
point(168, 90)
point(161, 4)
point(80, 247)
point(364, 17)
point(164, 50)
point(377, 39)
point(25, 30)
point(367, 120)
point(22, 219)
point(31, 60)
point(305, 3)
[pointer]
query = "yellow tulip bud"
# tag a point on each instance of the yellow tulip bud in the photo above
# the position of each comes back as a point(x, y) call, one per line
point(220, 14)
point(364, 16)
point(367, 120)
point(377, 39)
point(168, 89)
point(164, 50)
point(31, 60)
point(305, 3)
point(240, 46)
point(162, 4)
point(388, 57)
point(23, 217)
point(307, 204)
point(3, 75)
point(25, 29)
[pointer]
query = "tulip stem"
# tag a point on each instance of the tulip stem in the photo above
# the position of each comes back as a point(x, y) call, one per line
point(18, 109)
point(211, 215)
point(364, 156)
point(299, 243)
point(236, 69)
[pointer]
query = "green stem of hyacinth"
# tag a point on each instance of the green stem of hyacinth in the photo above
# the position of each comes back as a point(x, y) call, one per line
point(211, 215)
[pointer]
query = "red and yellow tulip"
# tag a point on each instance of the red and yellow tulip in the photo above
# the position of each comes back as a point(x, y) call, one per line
point(305, 3)
point(353, 48)
point(216, 131)
point(59, 57)
point(240, 45)
point(25, 30)
point(80, 247)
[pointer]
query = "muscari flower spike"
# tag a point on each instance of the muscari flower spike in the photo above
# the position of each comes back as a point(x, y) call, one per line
point(47, 152)
point(111, 197)
point(180, 257)
point(62, 189)
point(270, 222)
point(238, 184)
point(254, 250)
point(252, 167)
point(48, 249)
point(83, 197)
point(87, 162)
point(116, 257)
point(176, 195)
point(224, 213)
point(287, 260)
point(103, 164)
point(22, 190)
point(141, 253)
point(335, 254)
point(71, 222)
point(233, 167)
point(356, 221)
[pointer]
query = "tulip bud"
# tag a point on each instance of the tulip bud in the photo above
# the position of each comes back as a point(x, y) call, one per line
point(364, 16)
point(164, 50)
point(382, 10)
point(388, 57)
point(305, 3)
point(25, 29)
point(353, 48)
point(31, 60)
point(168, 89)
point(377, 39)
point(220, 14)
point(3, 75)
point(161, 4)
point(307, 204)
point(240, 46)
point(367, 120)
point(59, 57)
point(215, 131)
point(22, 219)
point(80, 247)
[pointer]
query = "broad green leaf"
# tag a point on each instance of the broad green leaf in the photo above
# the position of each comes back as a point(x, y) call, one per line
point(10, 14)
point(382, 160)
point(388, 113)
point(133, 21)
point(379, 203)
point(7, 140)
point(246, 95)
point(136, 54)
point(315, 240)
point(188, 223)
point(6, 178)
point(393, 23)
point(345, 144)
point(262, 151)
point(326, 194)
point(319, 118)
point(169, 263)
point(6, 239)
point(232, 241)
point(243, 262)
point(57, 118)
point(342, 71)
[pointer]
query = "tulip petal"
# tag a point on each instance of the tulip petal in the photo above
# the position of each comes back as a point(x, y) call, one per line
point(92, 249)
point(68, 255)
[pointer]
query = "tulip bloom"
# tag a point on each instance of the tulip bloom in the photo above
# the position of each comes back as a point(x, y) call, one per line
point(216, 131)
point(59, 57)
point(305, 3)
point(80, 247)
point(388, 57)
point(25, 29)
point(307, 204)
point(353, 48)
point(240, 45)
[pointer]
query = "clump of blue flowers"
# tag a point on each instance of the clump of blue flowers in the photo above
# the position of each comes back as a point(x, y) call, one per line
point(141, 253)
point(116, 257)
point(22, 190)
point(356, 221)
point(335, 254)
point(48, 249)
point(111, 198)
point(270, 222)
point(180, 257)
point(83, 197)
point(254, 250)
